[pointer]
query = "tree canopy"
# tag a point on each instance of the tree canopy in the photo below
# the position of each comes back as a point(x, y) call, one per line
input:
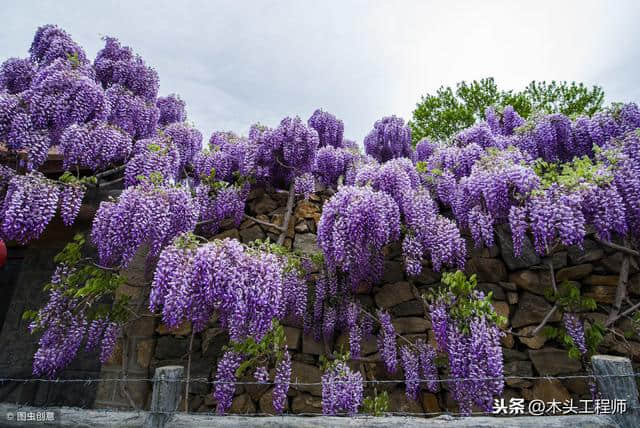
point(439, 116)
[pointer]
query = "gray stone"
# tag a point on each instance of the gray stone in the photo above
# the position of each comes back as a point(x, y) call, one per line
point(398, 402)
point(393, 272)
point(518, 369)
point(553, 361)
point(231, 233)
point(312, 346)
point(406, 309)
point(252, 233)
point(293, 337)
point(306, 242)
point(531, 310)
point(393, 294)
point(410, 325)
point(169, 347)
point(574, 272)
point(513, 355)
point(427, 276)
point(528, 280)
point(526, 259)
point(306, 373)
point(306, 403)
point(558, 259)
point(487, 270)
point(213, 340)
point(612, 386)
point(589, 253)
point(495, 289)
point(263, 205)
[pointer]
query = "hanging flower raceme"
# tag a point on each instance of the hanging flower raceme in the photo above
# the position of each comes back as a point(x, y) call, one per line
point(220, 201)
point(424, 150)
point(131, 113)
point(16, 75)
point(187, 139)
point(355, 224)
point(142, 214)
point(172, 109)
point(341, 389)
point(155, 159)
point(331, 163)
point(465, 328)
point(390, 138)
point(117, 65)
point(29, 205)
point(575, 329)
point(191, 282)
point(51, 43)
point(387, 341)
point(330, 129)
point(95, 145)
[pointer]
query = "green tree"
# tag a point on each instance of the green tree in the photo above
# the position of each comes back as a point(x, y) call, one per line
point(439, 116)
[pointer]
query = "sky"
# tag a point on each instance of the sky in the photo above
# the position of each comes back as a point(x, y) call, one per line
point(236, 63)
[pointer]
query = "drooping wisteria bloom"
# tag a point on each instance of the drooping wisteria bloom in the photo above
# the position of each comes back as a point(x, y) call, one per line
point(330, 129)
point(70, 202)
point(387, 341)
point(390, 138)
point(142, 214)
point(355, 224)
point(282, 381)
point(219, 204)
point(95, 145)
point(117, 65)
point(29, 205)
point(187, 139)
point(172, 109)
point(575, 329)
point(342, 390)
point(157, 157)
point(131, 113)
point(16, 75)
point(261, 374)
point(225, 380)
point(51, 43)
point(331, 163)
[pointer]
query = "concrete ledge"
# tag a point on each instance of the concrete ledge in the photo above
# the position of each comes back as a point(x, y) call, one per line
point(74, 417)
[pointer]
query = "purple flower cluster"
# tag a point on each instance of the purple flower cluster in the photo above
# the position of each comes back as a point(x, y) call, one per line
point(141, 214)
point(355, 224)
point(187, 139)
point(95, 145)
point(225, 380)
point(153, 156)
point(16, 75)
point(51, 43)
point(70, 202)
point(575, 329)
point(133, 114)
point(342, 390)
point(217, 205)
point(261, 374)
point(474, 357)
point(282, 381)
point(172, 109)
point(304, 185)
point(191, 283)
point(424, 150)
point(387, 341)
point(389, 139)
point(330, 129)
point(331, 163)
point(418, 365)
point(117, 65)
point(29, 205)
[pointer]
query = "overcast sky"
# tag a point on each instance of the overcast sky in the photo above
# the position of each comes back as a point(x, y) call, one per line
point(240, 62)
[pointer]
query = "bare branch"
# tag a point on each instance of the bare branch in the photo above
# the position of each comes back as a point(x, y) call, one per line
point(620, 248)
point(539, 327)
point(287, 214)
point(262, 222)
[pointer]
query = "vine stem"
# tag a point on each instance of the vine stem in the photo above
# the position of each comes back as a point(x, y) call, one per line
point(186, 392)
point(262, 222)
point(287, 214)
point(539, 327)
point(621, 289)
point(620, 248)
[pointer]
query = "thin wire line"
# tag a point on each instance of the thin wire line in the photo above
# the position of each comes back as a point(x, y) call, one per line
point(214, 382)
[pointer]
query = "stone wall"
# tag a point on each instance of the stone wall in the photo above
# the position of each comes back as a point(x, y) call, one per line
point(518, 287)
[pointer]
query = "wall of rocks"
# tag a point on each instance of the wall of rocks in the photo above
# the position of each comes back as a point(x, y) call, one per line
point(518, 287)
